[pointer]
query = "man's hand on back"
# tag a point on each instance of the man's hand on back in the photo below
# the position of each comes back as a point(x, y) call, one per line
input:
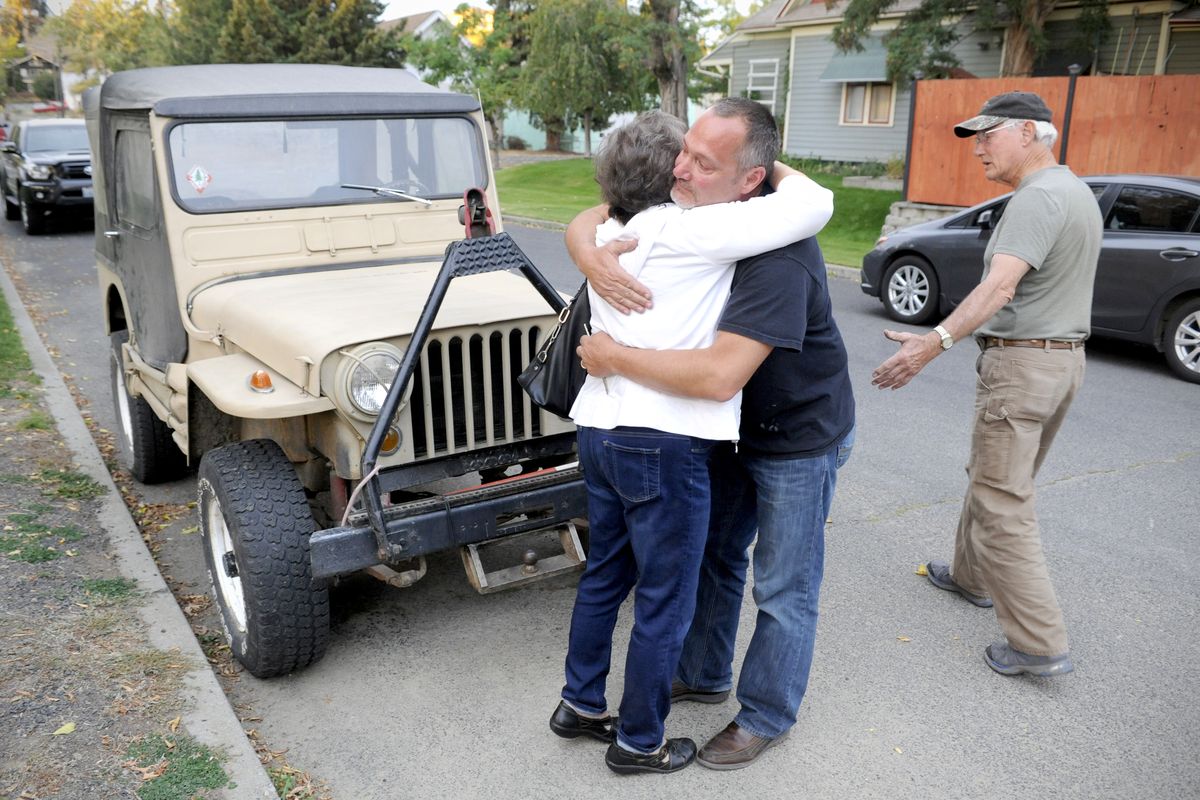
point(596, 353)
point(600, 265)
point(610, 280)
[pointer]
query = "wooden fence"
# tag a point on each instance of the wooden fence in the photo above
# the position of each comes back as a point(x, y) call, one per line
point(1118, 124)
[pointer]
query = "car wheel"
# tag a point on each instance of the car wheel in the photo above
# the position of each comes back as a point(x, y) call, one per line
point(144, 443)
point(33, 218)
point(11, 210)
point(1181, 342)
point(910, 290)
point(255, 522)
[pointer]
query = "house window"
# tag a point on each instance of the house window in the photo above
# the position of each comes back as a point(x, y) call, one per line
point(763, 81)
point(867, 103)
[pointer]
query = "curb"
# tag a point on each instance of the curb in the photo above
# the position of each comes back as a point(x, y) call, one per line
point(210, 720)
point(833, 270)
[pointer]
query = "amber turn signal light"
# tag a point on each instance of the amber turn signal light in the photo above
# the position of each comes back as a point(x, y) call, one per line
point(260, 381)
point(391, 442)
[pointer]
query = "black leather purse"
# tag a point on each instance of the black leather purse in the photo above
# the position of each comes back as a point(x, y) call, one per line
point(555, 375)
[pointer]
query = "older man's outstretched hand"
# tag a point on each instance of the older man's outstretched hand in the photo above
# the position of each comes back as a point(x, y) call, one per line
point(916, 350)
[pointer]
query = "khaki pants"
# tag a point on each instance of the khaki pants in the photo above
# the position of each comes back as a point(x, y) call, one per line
point(1022, 397)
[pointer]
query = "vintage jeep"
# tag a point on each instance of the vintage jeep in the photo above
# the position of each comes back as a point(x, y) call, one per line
point(308, 295)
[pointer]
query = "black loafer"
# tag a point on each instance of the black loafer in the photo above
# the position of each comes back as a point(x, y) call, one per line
point(671, 757)
point(569, 725)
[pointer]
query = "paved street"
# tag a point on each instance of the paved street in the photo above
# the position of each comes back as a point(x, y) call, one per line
point(438, 692)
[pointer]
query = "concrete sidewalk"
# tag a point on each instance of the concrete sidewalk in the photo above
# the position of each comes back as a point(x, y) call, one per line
point(210, 719)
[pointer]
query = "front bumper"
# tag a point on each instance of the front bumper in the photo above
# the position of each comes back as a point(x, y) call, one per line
point(58, 193)
point(871, 274)
point(431, 524)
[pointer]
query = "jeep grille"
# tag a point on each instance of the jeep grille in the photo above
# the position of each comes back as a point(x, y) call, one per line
point(465, 392)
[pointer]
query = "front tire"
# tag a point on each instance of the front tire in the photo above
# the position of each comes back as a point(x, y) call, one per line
point(144, 443)
point(1181, 341)
point(910, 290)
point(11, 210)
point(255, 522)
point(33, 217)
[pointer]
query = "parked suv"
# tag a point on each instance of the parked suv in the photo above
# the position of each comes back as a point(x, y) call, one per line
point(309, 294)
point(46, 165)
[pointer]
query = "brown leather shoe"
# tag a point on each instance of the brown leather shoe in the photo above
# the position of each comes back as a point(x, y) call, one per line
point(734, 748)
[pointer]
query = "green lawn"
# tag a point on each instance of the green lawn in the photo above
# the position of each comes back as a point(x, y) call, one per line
point(558, 190)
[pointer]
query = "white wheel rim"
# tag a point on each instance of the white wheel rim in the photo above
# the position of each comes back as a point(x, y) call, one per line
point(124, 418)
point(220, 544)
point(1187, 342)
point(908, 290)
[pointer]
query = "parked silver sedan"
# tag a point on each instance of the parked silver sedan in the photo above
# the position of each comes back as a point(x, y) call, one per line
point(1147, 282)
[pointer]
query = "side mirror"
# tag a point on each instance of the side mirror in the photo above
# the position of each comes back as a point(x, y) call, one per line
point(8, 147)
point(984, 220)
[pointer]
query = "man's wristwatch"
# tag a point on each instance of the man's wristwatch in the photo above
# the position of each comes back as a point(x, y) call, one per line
point(947, 339)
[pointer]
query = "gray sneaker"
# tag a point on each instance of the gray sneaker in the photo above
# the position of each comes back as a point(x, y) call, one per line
point(1004, 659)
point(938, 573)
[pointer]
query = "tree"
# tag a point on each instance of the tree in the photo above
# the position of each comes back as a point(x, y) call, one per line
point(195, 29)
point(489, 69)
point(925, 37)
point(22, 18)
point(110, 35)
point(573, 64)
point(666, 58)
point(253, 34)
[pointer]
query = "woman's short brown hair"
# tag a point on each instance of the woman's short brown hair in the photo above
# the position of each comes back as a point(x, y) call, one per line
point(635, 162)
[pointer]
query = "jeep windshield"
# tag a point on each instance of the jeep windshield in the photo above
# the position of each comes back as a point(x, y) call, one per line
point(260, 164)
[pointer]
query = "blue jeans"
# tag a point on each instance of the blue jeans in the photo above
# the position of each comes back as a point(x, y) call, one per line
point(648, 506)
point(786, 500)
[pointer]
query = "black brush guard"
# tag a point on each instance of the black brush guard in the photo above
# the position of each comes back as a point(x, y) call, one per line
point(387, 534)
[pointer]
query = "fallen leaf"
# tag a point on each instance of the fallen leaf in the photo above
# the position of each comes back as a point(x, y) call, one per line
point(173, 724)
point(148, 773)
point(65, 729)
point(903, 639)
point(921, 570)
point(898, 750)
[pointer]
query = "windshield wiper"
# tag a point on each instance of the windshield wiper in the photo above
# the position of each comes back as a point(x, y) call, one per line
point(387, 191)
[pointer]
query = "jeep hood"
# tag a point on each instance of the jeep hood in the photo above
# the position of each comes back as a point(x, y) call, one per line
point(284, 320)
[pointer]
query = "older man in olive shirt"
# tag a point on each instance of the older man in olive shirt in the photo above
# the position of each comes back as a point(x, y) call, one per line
point(1030, 315)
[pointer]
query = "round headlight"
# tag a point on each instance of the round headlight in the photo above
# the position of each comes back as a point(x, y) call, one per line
point(370, 379)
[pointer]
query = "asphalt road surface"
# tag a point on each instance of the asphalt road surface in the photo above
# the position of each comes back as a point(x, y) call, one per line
point(438, 692)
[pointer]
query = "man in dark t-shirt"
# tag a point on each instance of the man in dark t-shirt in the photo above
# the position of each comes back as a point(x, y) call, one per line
point(777, 342)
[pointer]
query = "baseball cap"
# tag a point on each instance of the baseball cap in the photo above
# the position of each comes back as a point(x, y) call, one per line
point(1010, 105)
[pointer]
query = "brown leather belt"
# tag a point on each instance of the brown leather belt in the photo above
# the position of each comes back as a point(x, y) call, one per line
point(1042, 344)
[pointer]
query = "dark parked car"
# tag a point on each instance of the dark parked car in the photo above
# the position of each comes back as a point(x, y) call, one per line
point(46, 165)
point(1147, 282)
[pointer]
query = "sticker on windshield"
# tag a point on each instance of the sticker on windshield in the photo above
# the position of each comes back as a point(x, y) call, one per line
point(199, 178)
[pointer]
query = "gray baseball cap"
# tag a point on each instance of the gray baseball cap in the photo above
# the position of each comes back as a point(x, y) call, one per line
point(1003, 107)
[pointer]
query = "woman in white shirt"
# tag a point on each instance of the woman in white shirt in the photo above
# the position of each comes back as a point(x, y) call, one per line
point(644, 452)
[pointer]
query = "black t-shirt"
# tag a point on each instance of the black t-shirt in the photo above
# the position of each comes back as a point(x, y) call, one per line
point(799, 401)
